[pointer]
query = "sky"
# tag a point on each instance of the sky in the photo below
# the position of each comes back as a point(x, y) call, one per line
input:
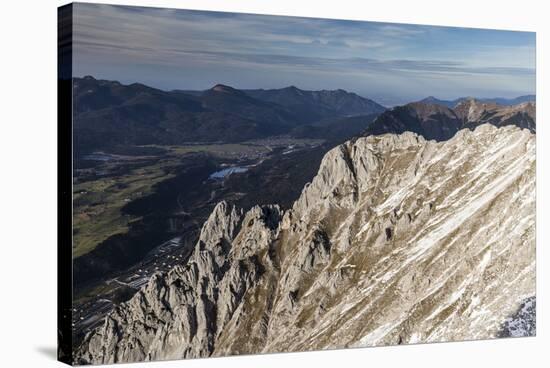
point(389, 62)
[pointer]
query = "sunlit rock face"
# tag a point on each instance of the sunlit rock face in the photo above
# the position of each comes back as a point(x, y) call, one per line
point(396, 240)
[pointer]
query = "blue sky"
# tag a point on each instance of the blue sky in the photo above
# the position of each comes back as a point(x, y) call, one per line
point(389, 62)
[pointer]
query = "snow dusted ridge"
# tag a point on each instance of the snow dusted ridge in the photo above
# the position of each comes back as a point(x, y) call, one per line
point(396, 240)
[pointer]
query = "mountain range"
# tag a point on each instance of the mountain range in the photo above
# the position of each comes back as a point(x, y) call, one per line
point(396, 240)
point(108, 113)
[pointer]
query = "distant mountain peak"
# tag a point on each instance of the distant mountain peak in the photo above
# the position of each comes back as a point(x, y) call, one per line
point(475, 104)
point(223, 88)
point(467, 101)
point(292, 90)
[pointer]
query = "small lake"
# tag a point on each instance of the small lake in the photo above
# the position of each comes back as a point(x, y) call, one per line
point(221, 174)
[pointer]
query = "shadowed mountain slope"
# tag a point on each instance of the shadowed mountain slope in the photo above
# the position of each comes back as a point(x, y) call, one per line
point(311, 106)
point(109, 114)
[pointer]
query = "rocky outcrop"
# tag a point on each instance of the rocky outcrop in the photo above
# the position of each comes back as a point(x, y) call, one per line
point(396, 240)
point(180, 314)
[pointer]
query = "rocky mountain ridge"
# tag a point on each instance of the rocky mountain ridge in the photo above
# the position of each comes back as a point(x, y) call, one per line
point(436, 121)
point(473, 113)
point(396, 240)
point(312, 106)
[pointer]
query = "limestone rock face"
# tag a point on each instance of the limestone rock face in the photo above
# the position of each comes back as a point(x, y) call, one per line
point(396, 240)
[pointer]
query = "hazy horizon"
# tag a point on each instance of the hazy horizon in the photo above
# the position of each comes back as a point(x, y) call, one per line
point(388, 62)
